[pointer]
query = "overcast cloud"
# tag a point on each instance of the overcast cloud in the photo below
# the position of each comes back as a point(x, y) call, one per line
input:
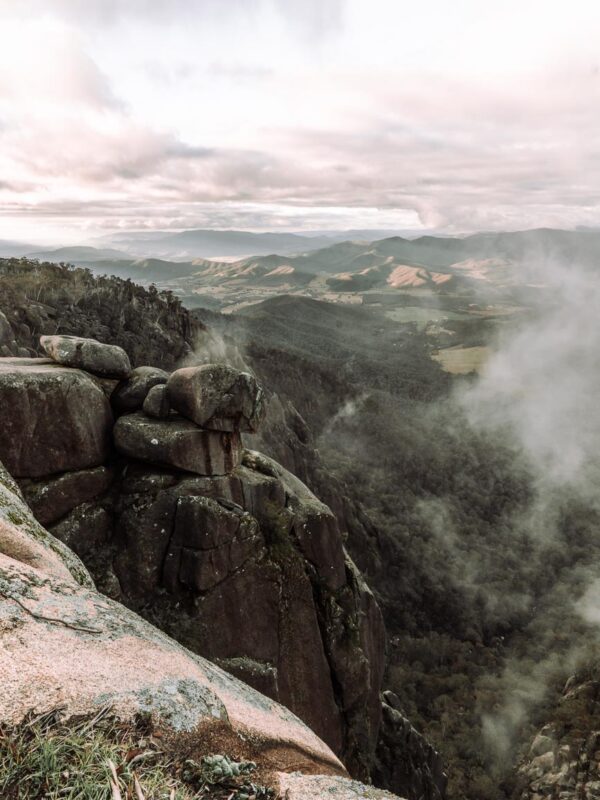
point(272, 114)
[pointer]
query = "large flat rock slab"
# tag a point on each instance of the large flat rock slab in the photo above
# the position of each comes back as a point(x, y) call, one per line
point(176, 442)
point(54, 419)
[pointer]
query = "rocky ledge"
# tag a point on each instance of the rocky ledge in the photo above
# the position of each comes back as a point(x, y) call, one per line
point(145, 477)
point(66, 648)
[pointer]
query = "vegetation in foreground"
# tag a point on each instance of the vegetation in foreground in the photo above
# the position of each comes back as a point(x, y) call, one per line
point(102, 758)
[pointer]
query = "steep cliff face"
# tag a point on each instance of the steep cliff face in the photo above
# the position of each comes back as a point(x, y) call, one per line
point(69, 653)
point(222, 548)
point(84, 504)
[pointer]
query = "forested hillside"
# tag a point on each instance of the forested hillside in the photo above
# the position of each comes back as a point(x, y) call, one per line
point(477, 570)
point(40, 297)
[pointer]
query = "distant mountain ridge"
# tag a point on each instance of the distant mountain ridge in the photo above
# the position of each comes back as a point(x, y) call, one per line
point(77, 254)
point(13, 249)
point(489, 265)
point(215, 243)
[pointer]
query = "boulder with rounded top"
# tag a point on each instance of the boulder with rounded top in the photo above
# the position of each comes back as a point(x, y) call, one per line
point(132, 391)
point(87, 354)
point(217, 397)
point(156, 403)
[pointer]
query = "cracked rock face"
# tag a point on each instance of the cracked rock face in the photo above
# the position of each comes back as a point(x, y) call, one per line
point(210, 541)
point(100, 359)
point(62, 644)
point(249, 570)
point(217, 397)
point(179, 443)
point(221, 548)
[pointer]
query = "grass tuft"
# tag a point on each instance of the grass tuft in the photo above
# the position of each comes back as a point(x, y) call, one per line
point(102, 758)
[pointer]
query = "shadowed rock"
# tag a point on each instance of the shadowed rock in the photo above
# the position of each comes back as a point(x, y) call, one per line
point(209, 543)
point(157, 403)
point(176, 442)
point(54, 419)
point(87, 354)
point(51, 499)
point(217, 397)
point(221, 563)
point(69, 646)
point(315, 526)
point(405, 761)
point(131, 392)
point(85, 530)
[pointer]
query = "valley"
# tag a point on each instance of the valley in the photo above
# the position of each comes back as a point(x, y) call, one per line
point(374, 394)
point(299, 418)
point(456, 291)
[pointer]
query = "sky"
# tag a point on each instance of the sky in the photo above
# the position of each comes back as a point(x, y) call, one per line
point(297, 115)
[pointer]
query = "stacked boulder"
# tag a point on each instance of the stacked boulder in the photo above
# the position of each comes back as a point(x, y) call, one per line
point(144, 476)
point(190, 420)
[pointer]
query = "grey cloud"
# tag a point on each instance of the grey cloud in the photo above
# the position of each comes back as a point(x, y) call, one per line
point(461, 156)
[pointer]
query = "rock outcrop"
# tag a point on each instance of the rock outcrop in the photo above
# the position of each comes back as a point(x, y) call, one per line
point(54, 419)
point(563, 758)
point(65, 647)
point(405, 761)
point(244, 570)
point(177, 443)
point(218, 397)
point(222, 548)
point(130, 394)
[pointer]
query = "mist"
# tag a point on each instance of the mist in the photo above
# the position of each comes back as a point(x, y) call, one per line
point(539, 393)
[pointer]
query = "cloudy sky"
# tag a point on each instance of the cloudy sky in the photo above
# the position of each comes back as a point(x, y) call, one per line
point(297, 114)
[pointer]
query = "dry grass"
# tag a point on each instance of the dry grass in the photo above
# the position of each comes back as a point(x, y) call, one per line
point(102, 758)
point(462, 360)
